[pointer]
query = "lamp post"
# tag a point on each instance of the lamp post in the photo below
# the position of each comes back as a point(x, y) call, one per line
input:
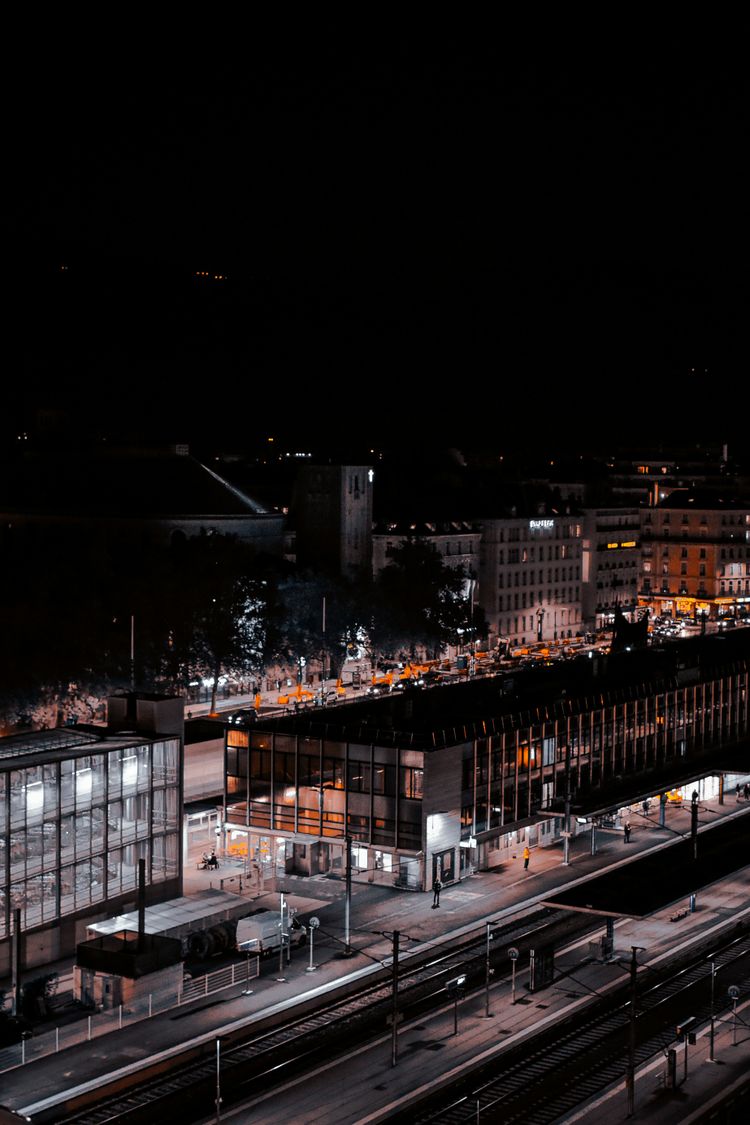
point(455, 989)
point(733, 993)
point(281, 976)
point(312, 926)
point(247, 990)
point(513, 955)
point(694, 822)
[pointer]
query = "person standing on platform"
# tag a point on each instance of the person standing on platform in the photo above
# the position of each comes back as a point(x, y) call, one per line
point(627, 831)
point(526, 858)
point(437, 887)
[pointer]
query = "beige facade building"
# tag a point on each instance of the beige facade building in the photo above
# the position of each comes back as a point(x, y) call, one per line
point(610, 563)
point(696, 556)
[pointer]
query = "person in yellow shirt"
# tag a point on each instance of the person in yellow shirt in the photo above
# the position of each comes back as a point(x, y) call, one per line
point(526, 858)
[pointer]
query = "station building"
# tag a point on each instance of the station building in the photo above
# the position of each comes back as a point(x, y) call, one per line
point(79, 806)
point(450, 780)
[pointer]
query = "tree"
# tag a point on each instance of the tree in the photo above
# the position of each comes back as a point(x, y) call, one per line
point(221, 615)
point(320, 618)
point(419, 602)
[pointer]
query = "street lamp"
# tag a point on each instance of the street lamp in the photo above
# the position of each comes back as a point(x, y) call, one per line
point(455, 988)
point(513, 955)
point(733, 993)
point(312, 926)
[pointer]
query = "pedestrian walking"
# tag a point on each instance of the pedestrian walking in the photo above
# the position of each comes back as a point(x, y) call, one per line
point(627, 831)
point(437, 887)
point(526, 858)
point(737, 791)
point(746, 792)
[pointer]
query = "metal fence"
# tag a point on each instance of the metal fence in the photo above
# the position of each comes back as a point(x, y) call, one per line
point(104, 1022)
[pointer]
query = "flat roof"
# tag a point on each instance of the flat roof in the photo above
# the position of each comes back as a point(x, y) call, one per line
point(178, 912)
point(44, 741)
point(448, 715)
point(39, 746)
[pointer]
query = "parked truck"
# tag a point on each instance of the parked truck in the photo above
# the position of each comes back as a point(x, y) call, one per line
point(258, 933)
point(261, 932)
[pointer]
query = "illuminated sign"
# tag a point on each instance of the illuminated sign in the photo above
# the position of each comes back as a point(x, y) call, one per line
point(630, 543)
point(538, 525)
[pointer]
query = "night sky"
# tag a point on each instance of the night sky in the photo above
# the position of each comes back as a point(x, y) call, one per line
point(460, 238)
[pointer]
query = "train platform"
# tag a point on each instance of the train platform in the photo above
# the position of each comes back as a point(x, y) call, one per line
point(431, 1052)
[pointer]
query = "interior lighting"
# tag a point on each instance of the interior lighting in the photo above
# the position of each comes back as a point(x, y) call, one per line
point(84, 783)
point(34, 797)
point(129, 770)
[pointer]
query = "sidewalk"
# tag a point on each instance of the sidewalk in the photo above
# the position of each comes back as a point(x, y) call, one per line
point(377, 911)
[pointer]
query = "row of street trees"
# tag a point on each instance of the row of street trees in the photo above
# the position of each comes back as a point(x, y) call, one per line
point(206, 607)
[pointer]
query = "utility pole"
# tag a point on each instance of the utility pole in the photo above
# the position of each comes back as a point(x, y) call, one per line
point(630, 1072)
point(394, 1008)
point(348, 902)
point(132, 652)
point(694, 822)
point(487, 972)
point(218, 1080)
point(566, 823)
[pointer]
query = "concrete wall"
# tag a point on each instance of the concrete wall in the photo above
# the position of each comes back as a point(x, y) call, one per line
point(441, 807)
point(204, 769)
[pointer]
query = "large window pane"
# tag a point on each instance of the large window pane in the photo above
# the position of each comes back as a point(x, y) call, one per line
point(50, 792)
point(84, 783)
point(67, 786)
point(67, 838)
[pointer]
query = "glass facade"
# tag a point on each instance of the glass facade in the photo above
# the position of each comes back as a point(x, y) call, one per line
point(325, 788)
point(512, 776)
point(73, 828)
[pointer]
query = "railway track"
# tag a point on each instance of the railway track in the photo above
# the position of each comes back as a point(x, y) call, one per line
point(263, 1056)
point(561, 1068)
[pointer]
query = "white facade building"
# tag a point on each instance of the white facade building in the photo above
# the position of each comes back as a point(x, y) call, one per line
point(530, 577)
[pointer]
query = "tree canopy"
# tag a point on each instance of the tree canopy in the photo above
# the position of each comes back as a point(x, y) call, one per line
point(419, 603)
